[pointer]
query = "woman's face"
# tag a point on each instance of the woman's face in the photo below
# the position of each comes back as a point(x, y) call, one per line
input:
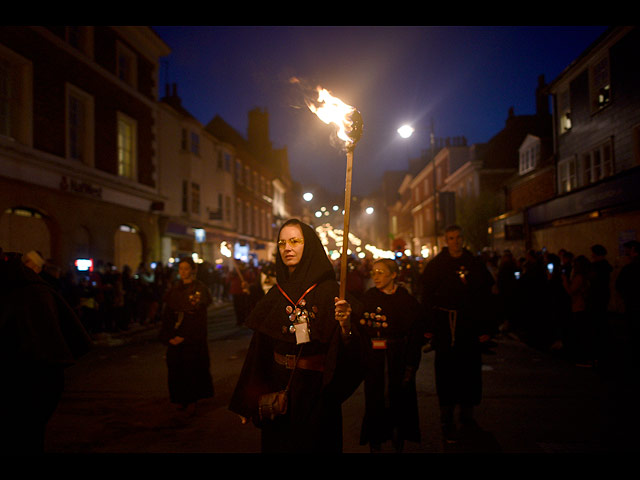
point(291, 245)
point(185, 271)
point(382, 276)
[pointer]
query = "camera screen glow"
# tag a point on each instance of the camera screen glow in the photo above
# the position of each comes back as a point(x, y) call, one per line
point(84, 264)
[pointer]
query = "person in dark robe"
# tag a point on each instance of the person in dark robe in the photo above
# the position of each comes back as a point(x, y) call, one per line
point(456, 293)
point(627, 284)
point(40, 336)
point(393, 329)
point(184, 331)
point(302, 338)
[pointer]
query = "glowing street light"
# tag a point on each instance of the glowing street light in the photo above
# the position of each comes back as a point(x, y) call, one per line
point(308, 196)
point(405, 131)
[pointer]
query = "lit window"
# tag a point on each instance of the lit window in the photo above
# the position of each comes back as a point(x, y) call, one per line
point(567, 175)
point(564, 111)
point(600, 84)
point(127, 158)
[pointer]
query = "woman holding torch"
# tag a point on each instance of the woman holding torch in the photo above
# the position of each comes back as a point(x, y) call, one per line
point(304, 359)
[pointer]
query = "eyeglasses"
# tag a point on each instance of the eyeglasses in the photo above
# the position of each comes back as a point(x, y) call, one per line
point(294, 242)
point(379, 272)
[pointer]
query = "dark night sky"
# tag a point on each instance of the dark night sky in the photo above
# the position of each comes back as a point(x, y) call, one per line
point(464, 78)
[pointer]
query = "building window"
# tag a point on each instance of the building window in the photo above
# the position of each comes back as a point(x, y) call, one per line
point(16, 98)
point(183, 140)
point(567, 175)
point(5, 98)
point(127, 65)
point(597, 163)
point(195, 143)
point(238, 172)
point(80, 125)
point(80, 38)
point(564, 111)
point(127, 147)
point(247, 177)
point(600, 84)
point(635, 139)
point(529, 156)
point(195, 197)
point(227, 208)
point(185, 196)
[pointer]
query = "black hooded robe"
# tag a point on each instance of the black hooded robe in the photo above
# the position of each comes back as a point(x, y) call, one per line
point(461, 284)
point(313, 421)
point(188, 363)
point(391, 403)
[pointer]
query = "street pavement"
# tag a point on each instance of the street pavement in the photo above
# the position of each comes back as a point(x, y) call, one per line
point(116, 402)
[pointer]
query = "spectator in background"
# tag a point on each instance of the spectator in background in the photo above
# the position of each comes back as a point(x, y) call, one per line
point(507, 285)
point(559, 305)
point(628, 286)
point(580, 326)
point(239, 281)
point(40, 335)
point(33, 260)
point(598, 298)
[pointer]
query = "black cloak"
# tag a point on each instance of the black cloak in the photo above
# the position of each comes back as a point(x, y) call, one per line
point(390, 386)
point(314, 418)
point(461, 284)
point(188, 363)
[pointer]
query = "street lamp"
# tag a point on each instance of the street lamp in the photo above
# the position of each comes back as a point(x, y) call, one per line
point(405, 131)
point(308, 196)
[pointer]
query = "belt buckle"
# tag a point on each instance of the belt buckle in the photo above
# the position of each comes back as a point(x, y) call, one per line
point(290, 361)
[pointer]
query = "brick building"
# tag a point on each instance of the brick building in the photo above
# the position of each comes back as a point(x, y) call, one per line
point(78, 157)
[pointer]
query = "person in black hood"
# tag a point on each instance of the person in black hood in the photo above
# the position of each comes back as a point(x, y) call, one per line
point(302, 338)
point(456, 299)
point(40, 335)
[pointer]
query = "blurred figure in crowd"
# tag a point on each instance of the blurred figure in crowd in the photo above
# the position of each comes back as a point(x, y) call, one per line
point(184, 331)
point(40, 335)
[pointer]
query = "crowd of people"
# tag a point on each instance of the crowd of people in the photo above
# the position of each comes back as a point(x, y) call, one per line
point(390, 312)
point(561, 301)
point(111, 300)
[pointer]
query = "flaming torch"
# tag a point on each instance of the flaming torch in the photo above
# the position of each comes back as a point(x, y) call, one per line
point(349, 123)
point(227, 251)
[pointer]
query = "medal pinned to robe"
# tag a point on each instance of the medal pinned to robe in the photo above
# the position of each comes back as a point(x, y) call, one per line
point(299, 317)
point(377, 322)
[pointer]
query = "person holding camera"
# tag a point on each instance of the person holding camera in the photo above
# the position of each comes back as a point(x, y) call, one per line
point(304, 359)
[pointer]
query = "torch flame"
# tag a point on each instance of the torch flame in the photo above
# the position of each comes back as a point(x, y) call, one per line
point(225, 250)
point(333, 110)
